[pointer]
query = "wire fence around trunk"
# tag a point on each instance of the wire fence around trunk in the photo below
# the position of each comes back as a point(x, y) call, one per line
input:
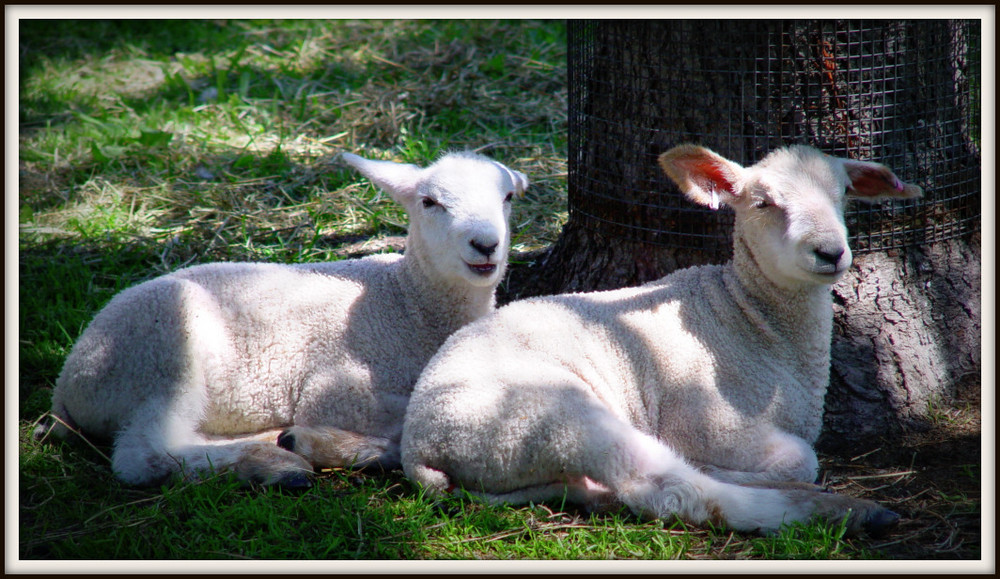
point(903, 93)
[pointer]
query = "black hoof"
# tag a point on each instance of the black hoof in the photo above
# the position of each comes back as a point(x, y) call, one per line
point(881, 523)
point(295, 482)
point(286, 440)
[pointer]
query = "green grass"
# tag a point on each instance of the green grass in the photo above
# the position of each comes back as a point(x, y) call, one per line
point(346, 516)
point(144, 147)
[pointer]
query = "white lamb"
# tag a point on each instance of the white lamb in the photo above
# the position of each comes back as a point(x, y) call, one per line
point(698, 395)
point(205, 369)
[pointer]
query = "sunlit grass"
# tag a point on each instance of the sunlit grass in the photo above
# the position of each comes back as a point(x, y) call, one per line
point(255, 105)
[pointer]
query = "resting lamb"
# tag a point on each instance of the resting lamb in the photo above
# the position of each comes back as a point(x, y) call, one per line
point(698, 395)
point(206, 368)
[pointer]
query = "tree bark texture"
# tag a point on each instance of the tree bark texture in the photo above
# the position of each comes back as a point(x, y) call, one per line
point(907, 340)
point(907, 316)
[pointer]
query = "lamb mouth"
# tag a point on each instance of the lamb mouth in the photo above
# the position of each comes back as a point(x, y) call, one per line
point(483, 269)
point(829, 275)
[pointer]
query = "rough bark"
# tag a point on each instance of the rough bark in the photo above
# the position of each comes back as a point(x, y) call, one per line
point(907, 340)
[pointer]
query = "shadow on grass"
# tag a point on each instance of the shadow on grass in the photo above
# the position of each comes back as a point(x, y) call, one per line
point(61, 286)
point(347, 516)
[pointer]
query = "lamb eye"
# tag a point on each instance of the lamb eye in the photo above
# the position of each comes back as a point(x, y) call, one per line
point(508, 197)
point(428, 202)
point(761, 204)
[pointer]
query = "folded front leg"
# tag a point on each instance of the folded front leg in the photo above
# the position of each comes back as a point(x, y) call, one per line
point(327, 447)
point(779, 456)
point(150, 452)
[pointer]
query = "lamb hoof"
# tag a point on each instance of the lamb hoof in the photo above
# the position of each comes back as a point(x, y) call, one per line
point(41, 430)
point(294, 482)
point(881, 523)
point(286, 440)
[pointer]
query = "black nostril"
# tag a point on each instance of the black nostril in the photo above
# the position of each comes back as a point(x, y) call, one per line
point(486, 250)
point(831, 257)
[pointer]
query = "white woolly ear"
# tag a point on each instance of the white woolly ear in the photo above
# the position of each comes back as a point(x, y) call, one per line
point(704, 176)
point(519, 179)
point(397, 179)
point(873, 182)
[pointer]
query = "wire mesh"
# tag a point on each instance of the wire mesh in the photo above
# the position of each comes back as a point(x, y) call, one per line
point(906, 94)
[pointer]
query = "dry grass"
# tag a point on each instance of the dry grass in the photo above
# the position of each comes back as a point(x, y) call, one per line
point(255, 153)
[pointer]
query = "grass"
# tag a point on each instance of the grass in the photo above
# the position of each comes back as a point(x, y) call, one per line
point(347, 516)
point(146, 147)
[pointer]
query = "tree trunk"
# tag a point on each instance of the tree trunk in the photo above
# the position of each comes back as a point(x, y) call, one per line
point(907, 316)
point(907, 336)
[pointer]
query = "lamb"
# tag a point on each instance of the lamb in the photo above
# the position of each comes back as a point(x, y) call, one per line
point(698, 395)
point(204, 369)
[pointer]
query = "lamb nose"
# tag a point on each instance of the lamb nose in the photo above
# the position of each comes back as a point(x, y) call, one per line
point(486, 250)
point(831, 257)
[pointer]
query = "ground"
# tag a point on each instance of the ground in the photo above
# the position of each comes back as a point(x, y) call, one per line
point(931, 478)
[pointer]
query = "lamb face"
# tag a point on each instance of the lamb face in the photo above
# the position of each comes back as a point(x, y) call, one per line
point(793, 207)
point(789, 206)
point(462, 209)
point(459, 208)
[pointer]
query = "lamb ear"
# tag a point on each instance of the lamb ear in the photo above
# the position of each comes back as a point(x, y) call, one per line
point(519, 179)
point(873, 182)
point(704, 176)
point(397, 179)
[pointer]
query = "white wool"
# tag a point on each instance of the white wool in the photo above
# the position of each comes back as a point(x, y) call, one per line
point(200, 370)
point(673, 394)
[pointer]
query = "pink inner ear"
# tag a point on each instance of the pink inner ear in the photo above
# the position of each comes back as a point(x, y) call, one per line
point(868, 185)
point(715, 173)
point(709, 174)
point(873, 180)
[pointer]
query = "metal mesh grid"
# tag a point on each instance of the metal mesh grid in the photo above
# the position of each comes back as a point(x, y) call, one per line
point(905, 94)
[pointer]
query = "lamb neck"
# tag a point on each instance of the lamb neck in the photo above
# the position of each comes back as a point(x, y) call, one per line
point(440, 306)
point(803, 315)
